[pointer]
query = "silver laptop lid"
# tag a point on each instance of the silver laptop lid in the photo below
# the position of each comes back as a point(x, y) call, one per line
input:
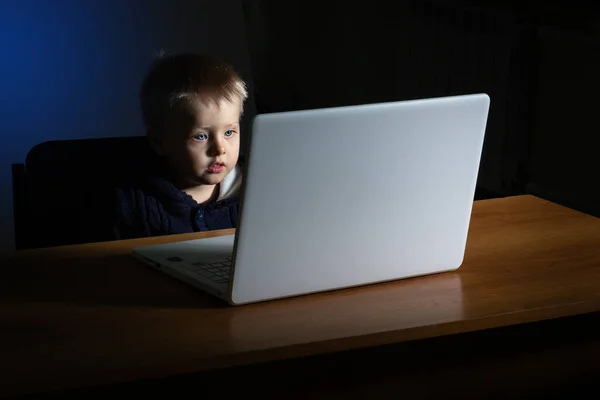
point(354, 195)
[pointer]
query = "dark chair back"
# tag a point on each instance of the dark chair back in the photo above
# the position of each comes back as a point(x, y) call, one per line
point(63, 192)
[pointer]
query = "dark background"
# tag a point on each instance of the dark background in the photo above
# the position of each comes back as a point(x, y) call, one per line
point(71, 69)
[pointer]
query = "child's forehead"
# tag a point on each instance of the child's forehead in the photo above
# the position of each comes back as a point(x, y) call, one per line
point(215, 112)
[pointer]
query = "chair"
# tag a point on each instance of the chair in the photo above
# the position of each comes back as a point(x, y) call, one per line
point(62, 193)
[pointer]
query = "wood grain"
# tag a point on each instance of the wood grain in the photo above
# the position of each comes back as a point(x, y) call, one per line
point(90, 314)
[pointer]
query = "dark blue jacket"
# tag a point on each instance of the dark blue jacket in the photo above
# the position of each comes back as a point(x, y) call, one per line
point(155, 207)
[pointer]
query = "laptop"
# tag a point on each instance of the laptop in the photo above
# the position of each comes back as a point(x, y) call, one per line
point(342, 197)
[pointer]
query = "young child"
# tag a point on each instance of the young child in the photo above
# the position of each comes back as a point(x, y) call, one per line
point(191, 105)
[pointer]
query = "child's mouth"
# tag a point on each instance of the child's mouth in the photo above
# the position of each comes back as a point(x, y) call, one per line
point(216, 168)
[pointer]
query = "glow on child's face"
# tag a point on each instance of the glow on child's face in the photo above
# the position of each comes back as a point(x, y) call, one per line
point(204, 146)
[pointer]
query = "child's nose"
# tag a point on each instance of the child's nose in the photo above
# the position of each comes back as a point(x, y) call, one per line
point(217, 149)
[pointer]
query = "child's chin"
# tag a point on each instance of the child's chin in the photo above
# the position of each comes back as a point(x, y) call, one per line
point(212, 179)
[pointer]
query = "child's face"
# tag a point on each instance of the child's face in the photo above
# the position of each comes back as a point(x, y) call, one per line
point(203, 144)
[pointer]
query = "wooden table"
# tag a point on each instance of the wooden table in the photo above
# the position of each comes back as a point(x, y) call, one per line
point(90, 314)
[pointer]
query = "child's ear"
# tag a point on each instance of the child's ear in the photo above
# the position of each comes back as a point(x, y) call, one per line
point(156, 143)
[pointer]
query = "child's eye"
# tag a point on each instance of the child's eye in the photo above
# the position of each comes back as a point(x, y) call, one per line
point(229, 133)
point(201, 137)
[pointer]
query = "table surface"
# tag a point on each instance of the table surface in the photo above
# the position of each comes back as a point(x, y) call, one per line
point(91, 314)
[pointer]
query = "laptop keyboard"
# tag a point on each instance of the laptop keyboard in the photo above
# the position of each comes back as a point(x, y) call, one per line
point(216, 271)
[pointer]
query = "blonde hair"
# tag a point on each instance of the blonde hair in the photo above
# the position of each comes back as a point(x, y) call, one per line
point(177, 80)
